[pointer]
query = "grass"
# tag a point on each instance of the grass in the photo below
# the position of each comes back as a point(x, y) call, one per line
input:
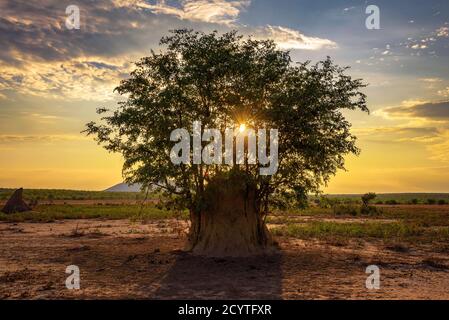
point(392, 198)
point(403, 223)
point(48, 213)
point(423, 216)
point(427, 215)
point(60, 194)
point(387, 231)
point(309, 211)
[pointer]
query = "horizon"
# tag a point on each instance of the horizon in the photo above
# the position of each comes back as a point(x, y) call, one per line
point(310, 194)
point(53, 79)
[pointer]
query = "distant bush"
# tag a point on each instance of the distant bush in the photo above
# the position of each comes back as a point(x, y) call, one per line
point(442, 202)
point(355, 210)
point(431, 201)
point(414, 201)
point(278, 201)
point(368, 197)
point(370, 210)
point(325, 202)
point(379, 202)
point(391, 202)
point(345, 209)
point(33, 202)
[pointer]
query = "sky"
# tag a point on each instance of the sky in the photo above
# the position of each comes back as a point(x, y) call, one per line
point(53, 78)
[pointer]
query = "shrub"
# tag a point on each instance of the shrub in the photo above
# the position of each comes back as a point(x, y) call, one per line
point(345, 209)
point(391, 202)
point(325, 202)
point(367, 197)
point(431, 201)
point(33, 202)
point(370, 210)
point(414, 201)
point(442, 202)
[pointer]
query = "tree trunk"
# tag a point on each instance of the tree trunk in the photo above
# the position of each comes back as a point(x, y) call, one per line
point(228, 222)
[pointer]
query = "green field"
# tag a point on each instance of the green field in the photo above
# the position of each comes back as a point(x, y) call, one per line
point(400, 198)
point(330, 218)
point(48, 213)
point(397, 231)
point(61, 194)
point(411, 224)
point(391, 223)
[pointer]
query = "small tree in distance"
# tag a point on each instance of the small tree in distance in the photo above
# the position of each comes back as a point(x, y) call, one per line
point(367, 198)
point(224, 81)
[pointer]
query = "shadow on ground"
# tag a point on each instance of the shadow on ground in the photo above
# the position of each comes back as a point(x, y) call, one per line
point(196, 277)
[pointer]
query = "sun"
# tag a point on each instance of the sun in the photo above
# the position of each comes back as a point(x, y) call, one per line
point(242, 127)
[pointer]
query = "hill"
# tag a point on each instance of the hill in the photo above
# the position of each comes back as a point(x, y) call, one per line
point(123, 187)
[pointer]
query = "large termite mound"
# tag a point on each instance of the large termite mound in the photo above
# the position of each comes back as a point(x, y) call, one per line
point(229, 221)
point(16, 203)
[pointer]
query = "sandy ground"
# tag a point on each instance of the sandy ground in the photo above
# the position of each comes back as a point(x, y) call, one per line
point(121, 259)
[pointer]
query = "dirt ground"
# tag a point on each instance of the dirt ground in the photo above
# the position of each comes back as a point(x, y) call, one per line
point(121, 259)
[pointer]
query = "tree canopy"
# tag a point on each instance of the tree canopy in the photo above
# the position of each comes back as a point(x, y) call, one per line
point(224, 80)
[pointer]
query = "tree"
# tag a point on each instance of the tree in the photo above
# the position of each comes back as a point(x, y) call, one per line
point(367, 198)
point(225, 81)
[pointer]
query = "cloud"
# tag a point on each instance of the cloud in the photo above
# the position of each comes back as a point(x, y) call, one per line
point(435, 140)
point(419, 46)
point(431, 80)
point(40, 57)
point(6, 139)
point(444, 92)
point(41, 116)
point(287, 38)
point(427, 43)
point(440, 151)
point(429, 111)
point(226, 13)
point(443, 32)
point(349, 9)
point(210, 11)
point(36, 31)
point(399, 134)
point(432, 83)
point(74, 79)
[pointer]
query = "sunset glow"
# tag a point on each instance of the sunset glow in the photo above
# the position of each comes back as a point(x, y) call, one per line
point(53, 79)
